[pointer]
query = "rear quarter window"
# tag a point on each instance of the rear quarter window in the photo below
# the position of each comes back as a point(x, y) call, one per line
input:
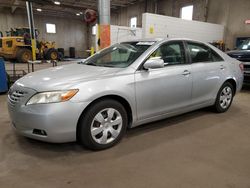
point(202, 53)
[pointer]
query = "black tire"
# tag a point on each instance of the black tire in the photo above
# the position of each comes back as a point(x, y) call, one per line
point(84, 135)
point(60, 56)
point(218, 105)
point(61, 50)
point(23, 55)
point(51, 54)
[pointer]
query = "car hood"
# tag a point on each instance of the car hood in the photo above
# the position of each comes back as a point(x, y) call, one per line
point(62, 77)
point(241, 55)
point(239, 52)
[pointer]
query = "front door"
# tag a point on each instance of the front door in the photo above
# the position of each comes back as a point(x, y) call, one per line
point(164, 90)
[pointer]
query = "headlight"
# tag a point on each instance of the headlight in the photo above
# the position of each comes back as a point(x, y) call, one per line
point(52, 97)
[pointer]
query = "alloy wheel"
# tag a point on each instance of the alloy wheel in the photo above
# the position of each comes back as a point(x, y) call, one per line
point(226, 97)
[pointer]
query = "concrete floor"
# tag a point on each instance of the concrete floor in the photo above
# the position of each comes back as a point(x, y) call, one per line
point(198, 149)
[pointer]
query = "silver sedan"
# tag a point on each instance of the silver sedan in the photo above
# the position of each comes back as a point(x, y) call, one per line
point(123, 86)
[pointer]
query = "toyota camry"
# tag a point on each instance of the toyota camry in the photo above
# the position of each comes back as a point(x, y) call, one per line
point(123, 86)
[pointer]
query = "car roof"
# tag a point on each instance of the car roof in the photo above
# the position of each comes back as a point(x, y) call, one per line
point(145, 40)
point(163, 39)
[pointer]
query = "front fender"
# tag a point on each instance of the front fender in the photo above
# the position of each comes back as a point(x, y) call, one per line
point(122, 86)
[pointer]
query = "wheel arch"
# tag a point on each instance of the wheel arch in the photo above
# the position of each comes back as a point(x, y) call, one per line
point(117, 98)
point(233, 82)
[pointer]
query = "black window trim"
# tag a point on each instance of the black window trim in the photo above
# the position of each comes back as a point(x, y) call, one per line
point(200, 43)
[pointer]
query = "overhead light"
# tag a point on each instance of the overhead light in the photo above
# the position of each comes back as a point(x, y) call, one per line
point(57, 2)
point(78, 14)
point(39, 10)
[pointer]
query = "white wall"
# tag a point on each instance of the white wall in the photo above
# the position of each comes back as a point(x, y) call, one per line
point(165, 26)
point(69, 32)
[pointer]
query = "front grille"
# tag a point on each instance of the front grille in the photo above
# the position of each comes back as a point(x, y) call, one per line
point(247, 78)
point(247, 67)
point(15, 96)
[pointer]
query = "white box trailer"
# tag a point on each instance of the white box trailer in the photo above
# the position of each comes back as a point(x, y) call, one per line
point(154, 25)
point(158, 26)
point(121, 34)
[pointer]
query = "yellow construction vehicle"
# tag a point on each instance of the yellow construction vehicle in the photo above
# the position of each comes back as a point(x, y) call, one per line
point(17, 46)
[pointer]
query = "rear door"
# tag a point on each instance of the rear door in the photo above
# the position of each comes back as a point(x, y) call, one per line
point(207, 71)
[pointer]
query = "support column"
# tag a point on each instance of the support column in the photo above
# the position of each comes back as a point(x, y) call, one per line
point(32, 29)
point(103, 23)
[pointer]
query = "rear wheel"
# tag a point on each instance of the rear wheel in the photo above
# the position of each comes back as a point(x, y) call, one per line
point(23, 55)
point(51, 54)
point(224, 98)
point(102, 125)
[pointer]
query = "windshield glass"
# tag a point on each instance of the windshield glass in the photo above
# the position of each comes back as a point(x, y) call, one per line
point(245, 45)
point(119, 55)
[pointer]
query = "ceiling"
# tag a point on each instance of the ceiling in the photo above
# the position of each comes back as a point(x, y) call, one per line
point(67, 8)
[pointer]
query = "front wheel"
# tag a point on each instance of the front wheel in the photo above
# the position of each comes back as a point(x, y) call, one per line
point(102, 125)
point(51, 54)
point(224, 98)
point(23, 55)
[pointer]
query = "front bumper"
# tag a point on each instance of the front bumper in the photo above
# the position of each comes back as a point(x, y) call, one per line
point(58, 120)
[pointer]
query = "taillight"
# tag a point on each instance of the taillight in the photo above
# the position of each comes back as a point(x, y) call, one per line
point(241, 67)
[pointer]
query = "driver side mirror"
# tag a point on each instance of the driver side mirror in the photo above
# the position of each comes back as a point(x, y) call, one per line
point(153, 63)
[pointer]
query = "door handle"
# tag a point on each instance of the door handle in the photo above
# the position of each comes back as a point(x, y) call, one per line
point(186, 73)
point(222, 67)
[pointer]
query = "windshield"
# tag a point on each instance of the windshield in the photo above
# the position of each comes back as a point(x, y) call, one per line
point(119, 55)
point(245, 45)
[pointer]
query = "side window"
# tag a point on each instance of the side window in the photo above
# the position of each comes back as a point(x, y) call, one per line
point(216, 57)
point(202, 53)
point(171, 53)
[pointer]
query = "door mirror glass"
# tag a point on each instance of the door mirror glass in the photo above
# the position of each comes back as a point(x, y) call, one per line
point(153, 63)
